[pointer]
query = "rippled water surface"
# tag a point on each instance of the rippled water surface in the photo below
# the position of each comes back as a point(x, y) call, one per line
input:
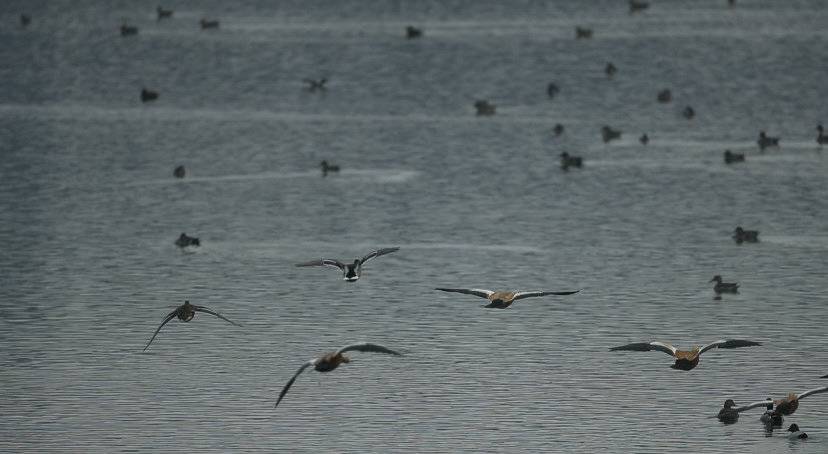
point(89, 211)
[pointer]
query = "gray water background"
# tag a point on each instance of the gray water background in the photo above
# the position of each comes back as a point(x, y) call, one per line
point(89, 211)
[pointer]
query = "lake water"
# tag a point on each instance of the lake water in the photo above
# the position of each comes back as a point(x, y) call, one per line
point(89, 211)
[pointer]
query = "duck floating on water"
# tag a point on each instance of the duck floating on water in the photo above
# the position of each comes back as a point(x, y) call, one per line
point(688, 113)
point(25, 20)
point(583, 33)
point(821, 138)
point(771, 418)
point(184, 241)
point(413, 32)
point(208, 24)
point(610, 69)
point(328, 168)
point(502, 300)
point(315, 84)
point(638, 5)
point(128, 30)
point(180, 172)
point(484, 108)
point(728, 414)
point(766, 141)
point(685, 359)
point(664, 96)
point(795, 433)
point(331, 361)
point(350, 271)
point(731, 157)
point(741, 235)
point(644, 139)
point(608, 134)
point(163, 13)
point(724, 287)
point(148, 95)
point(568, 161)
point(558, 129)
point(185, 313)
point(552, 89)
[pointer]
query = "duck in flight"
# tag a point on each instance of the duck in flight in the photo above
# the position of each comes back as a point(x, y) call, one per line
point(788, 405)
point(350, 271)
point(501, 300)
point(685, 359)
point(331, 361)
point(185, 313)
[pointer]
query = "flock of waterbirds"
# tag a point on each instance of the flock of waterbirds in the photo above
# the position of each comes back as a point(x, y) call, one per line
point(685, 360)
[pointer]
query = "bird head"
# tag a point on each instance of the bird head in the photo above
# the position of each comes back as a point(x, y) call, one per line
point(729, 403)
point(717, 279)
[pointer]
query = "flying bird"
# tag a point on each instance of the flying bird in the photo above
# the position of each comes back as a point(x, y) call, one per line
point(787, 405)
point(350, 271)
point(685, 359)
point(331, 361)
point(185, 313)
point(501, 300)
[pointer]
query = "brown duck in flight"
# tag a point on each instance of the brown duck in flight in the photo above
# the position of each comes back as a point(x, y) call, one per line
point(787, 405)
point(685, 359)
point(185, 313)
point(331, 361)
point(501, 300)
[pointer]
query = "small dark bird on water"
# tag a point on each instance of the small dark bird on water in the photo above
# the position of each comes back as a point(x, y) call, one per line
point(163, 13)
point(583, 33)
point(207, 24)
point(568, 161)
point(185, 313)
point(25, 20)
point(328, 168)
point(610, 70)
point(128, 30)
point(741, 235)
point(413, 32)
point(608, 134)
point(315, 84)
point(638, 5)
point(552, 90)
point(644, 139)
point(484, 108)
point(766, 141)
point(664, 96)
point(724, 287)
point(148, 95)
point(821, 139)
point(688, 113)
point(180, 172)
point(731, 157)
point(558, 129)
point(184, 241)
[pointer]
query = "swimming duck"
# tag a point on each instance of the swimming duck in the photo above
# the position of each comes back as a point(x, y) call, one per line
point(314, 85)
point(731, 157)
point(148, 95)
point(685, 359)
point(664, 96)
point(558, 129)
point(644, 139)
point(610, 69)
point(163, 13)
point(128, 30)
point(741, 235)
point(608, 134)
point(770, 417)
point(413, 32)
point(484, 108)
point(724, 287)
point(765, 141)
point(205, 24)
point(331, 361)
point(728, 414)
point(350, 271)
point(184, 241)
point(25, 20)
point(583, 33)
point(552, 90)
point(185, 313)
point(501, 300)
point(796, 434)
point(821, 139)
point(180, 172)
point(328, 168)
point(568, 161)
point(688, 113)
point(731, 3)
point(638, 5)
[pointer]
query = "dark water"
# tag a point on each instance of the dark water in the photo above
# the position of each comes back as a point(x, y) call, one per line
point(89, 211)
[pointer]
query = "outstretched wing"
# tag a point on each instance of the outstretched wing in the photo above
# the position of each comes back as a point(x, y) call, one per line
point(824, 376)
point(469, 291)
point(812, 391)
point(378, 253)
point(169, 317)
point(366, 347)
point(648, 346)
point(324, 262)
point(293, 379)
point(763, 403)
point(520, 295)
point(728, 343)
point(204, 309)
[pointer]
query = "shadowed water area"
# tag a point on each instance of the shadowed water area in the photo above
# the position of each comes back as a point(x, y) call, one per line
point(89, 212)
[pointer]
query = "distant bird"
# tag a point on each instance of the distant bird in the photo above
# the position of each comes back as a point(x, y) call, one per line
point(180, 172)
point(328, 168)
point(664, 96)
point(25, 20)
point(741, 235)
point(128, 30)
point(731, 3)
point(413, 32)
point(583, 33)
point(568, 161)
point(724, 287)
point(315, 84)
point(685, 359)
point(688, 113)
point(205, 24)
point(484, 108)
point(184, 241)
point(644, 139)
point(502, 300)
point(821, 139)
point(638, 5)
point(731, 157)
point(608, 134)
point(796, 434)
point(331, 361)
point(163, 13)
point(185, 313)
point(610, 69)
point(558, 129)
point(552, 90)
point(766, 141)
point(350, 271)
point(148, 95)
point(787, 405)
point(729, 413)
